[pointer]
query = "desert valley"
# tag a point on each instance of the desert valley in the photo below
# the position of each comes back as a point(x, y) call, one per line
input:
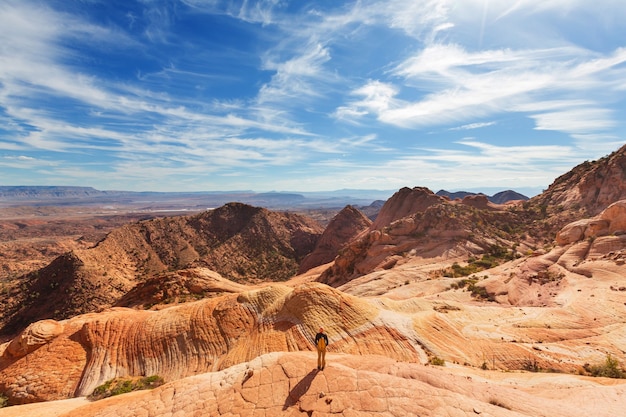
point(433, 305)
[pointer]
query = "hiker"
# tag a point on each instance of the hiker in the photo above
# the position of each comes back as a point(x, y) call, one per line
point(321, 341)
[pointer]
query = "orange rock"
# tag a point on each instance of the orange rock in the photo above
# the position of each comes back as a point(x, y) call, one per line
point(287, 384)
point(196, 337)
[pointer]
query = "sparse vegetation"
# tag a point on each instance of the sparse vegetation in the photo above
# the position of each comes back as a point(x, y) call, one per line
point(609, 369)
point(437, 361)
point(497, 403)
point(531, 365)
point(4, 401)
point(476, 290)
point(122, 386)
point(545, 277)
point(494, 257)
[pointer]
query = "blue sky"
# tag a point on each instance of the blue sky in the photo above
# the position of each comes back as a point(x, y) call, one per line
point(203, 95)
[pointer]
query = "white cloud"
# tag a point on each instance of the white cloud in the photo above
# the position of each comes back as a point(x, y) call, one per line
point(293, 78)
point(575, 121)
point(261, 11)
point(471, 126)
point(446, 83)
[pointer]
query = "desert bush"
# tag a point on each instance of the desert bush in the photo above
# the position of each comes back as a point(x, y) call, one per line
point(480, 292)
point(498, 403)
point(531, 365)
point(495, 255)
point(4, 401)
point(437, 361)
point(609, 369)
point(122, 386)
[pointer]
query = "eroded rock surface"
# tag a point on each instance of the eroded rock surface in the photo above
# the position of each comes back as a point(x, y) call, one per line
point(288, 384)
point(199, 337)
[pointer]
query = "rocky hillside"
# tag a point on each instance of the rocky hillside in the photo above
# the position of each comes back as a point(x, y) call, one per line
point(587, 189)
point(240, 242)
point(343, 228)
point(417, 222)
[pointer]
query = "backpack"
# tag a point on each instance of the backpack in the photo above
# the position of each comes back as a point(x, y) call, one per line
point(321, 344)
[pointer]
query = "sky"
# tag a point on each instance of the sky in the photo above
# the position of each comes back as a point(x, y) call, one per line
point(316, 95)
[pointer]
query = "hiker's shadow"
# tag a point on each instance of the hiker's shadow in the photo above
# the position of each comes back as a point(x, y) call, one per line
point(300, 389)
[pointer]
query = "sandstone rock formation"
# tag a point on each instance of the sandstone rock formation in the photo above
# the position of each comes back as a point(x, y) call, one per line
point(33, 337)
point(288, 384)
point(417, 223)
point(343, 228)
point(404, 203)
point(196, 337)
point(189, 284)
point(611, 221)
point(545, 317)
point(229, 347)
point(590, 186)
point(237, 241)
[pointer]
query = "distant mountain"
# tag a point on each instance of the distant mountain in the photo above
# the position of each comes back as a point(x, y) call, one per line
point(372, 210)
point(506, 196)
point(498, 198)
point(163, 201)
point(46, 192)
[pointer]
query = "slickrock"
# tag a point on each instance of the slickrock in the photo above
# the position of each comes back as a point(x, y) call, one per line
point(198, 337)
point(288, 384)
point(612, 220)
point(33, 337)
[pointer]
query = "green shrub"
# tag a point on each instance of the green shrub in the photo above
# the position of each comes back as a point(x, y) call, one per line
point(480, 292)
point(4, 401)
point(437, 361)
point(609, 369)
point(495, 255)
point(122, 386)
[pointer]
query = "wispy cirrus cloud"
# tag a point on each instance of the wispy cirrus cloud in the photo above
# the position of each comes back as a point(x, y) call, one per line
point(461, 86)
point(271, 91)
point(471, 126)
point(294, 78)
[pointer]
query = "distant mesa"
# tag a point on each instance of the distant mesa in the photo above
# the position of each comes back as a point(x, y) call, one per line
point(499, 198)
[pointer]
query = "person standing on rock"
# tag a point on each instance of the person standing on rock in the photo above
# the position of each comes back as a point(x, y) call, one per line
point(321, 341)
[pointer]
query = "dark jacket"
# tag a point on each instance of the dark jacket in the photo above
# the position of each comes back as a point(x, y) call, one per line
point(320, 336)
